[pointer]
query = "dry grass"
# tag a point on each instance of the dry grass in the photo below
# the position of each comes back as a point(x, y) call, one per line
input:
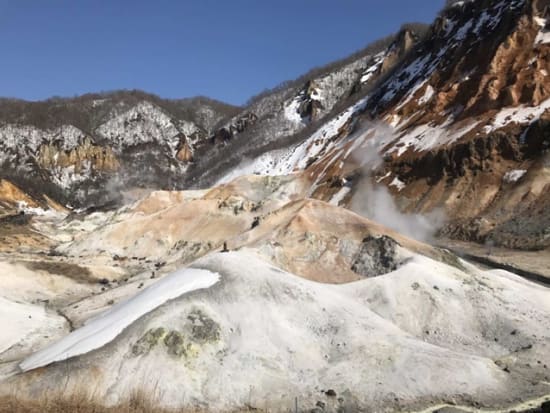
point(82, 403)
point(67, 269)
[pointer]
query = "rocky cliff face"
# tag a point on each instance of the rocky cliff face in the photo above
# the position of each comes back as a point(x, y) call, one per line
point(460, 124)
point(288, 115)
point(489, 93)
point(74, 149)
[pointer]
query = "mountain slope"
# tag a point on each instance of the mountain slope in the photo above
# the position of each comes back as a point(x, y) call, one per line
point(82, 151)
point(290, 114)
point(459, 125)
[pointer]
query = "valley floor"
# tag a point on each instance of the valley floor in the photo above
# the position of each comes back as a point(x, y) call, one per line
point(310, 301)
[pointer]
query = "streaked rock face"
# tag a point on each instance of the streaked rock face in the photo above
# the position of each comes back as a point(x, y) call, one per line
point(86, 155)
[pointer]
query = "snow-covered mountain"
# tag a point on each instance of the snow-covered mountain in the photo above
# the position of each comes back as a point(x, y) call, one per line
point(73, 149)
point(442, 112)
point(83, 151)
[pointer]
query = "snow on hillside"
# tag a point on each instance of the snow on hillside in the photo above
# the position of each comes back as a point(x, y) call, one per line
point(373, 68)
point(278, 114)
point(424, 66)
point(521, 115)
point(29, 148)
point(514, 176)
point(285, 161)
point(428, 95)
point(24, 207)
point(107, 326)
point(414, 80)
point(64, 177)
point(143, 123)
point(337, 84)
point(20, 145)
point(321, 140)
point(333, 86)
point(543, 36)
point(400, 185)
point(124, 125)
point(291, 110)
point(21, 138)
point(429, 136)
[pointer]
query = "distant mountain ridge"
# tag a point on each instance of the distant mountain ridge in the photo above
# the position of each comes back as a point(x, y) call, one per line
point(83, 151)
point(69, 148)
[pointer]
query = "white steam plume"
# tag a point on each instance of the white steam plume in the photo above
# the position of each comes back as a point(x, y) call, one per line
point(374, 201)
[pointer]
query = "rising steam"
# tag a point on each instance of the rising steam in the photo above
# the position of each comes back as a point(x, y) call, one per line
point(374, 201)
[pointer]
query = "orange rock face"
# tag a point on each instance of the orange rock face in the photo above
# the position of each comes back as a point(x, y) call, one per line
point(100, 158)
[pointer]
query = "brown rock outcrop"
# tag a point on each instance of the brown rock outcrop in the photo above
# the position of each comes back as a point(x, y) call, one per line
point(100, 158)
point(404, 43)
point(311, 105)
point(184, 152)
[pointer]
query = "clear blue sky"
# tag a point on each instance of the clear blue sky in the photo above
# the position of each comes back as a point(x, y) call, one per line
point(225, 49)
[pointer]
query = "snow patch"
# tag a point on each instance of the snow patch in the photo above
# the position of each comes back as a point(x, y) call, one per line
point(388, 174)
point(428, 95)
point(514, 176)
point(106, 327)
point(519, 115)
point(372, 69)
point(429, 136)
point(24, 207)
point(291, 111)
point(411, 94)
point(400, 185)
point(316, 94)
point(540, 21)
point(543, 36)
